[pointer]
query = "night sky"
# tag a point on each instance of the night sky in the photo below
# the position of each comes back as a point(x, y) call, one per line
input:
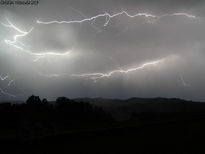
point(103, 48)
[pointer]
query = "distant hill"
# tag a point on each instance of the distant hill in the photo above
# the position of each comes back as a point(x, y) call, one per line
point(122, 109)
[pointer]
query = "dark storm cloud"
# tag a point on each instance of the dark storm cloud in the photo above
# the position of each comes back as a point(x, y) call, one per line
point(125, 43)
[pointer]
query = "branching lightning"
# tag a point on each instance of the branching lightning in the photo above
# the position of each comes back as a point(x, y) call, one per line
point(100, 75)
point(92, 23)
point(19, 45)
point(15, 37)
point(6, 93)
point(39, 55)
point(93, 76)
point(4, 78)
point(108, 17)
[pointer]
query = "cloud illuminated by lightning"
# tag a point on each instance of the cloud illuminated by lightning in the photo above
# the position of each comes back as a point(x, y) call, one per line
point(99, 75)
point(110, 16)
point(15, 37)
point(53, 75)
point(19, 45)
point(39, 54)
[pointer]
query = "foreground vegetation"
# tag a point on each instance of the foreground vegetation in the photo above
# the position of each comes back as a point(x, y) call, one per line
point(87, 126)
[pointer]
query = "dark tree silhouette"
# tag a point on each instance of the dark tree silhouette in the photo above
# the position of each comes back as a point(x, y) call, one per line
point(33, 100)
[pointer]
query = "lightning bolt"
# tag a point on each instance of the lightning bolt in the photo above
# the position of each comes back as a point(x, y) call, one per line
point(10, 82)
point(16, 37)
point(184, 82)
point(6, 93)
point(108, 17)
point(19, 45)
point(92, 23)
point(4, 78)
point(183, 14)
point(39, 55)
point(44, 54)
point(96, 76)
point(52, 75)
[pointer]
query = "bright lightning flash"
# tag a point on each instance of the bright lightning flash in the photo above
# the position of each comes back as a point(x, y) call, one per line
point(19, 45)
point(96, 76)
point(109, 16)
point(151, 19)
point(15, 37)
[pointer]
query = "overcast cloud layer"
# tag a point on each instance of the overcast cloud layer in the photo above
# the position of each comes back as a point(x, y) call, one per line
point(124, 43)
